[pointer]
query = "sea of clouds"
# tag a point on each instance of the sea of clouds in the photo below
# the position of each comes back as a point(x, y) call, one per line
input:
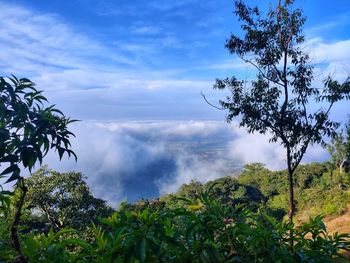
point(146, 159)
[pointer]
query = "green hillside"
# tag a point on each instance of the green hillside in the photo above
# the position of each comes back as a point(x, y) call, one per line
point(320, 190)
point(232, 219)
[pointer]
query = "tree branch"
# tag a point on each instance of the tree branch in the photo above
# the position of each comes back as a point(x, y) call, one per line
point(14, 228)
point(307, 142)
point(260, 70)
point(216, 107)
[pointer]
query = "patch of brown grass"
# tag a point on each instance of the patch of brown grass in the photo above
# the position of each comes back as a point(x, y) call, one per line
point(340, 224)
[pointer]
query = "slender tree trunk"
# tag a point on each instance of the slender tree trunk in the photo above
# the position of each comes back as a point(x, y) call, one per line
point(291, 196)
point(14, 228)
point(291, 206)
point(341, 167)
point(55, 222)
point(291, 186)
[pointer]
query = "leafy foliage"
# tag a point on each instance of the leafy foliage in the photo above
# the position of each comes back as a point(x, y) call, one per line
point(64, 199)
point(227, 190)
point(339, 148)
point(212, 233)
point(278, 100)
point(28, 129)
point(216, 222)
point(51, 247)
point(229, 220)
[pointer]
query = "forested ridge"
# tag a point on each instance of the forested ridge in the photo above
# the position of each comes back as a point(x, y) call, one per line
point(234, 218)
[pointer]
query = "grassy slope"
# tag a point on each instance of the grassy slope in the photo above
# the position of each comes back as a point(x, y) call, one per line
point(339, 223)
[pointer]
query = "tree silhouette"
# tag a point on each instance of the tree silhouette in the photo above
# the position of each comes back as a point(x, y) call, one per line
point(28, 130)
point(279, 101)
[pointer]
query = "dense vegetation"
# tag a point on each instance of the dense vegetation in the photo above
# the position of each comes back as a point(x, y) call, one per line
point(231, 219)
point(53, 217)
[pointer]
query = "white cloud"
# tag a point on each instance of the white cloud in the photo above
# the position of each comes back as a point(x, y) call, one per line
point(251, 148)
point(237, 64)
point(42, 43)
point(167, 128)
point(188, 168)
point(329, 58)
point(106, 158)
point(130, 160)
point(79, 73)
point(335, 52)
point(147, 30)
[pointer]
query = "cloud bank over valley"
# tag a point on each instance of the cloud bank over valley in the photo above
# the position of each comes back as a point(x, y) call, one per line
point(133, 160)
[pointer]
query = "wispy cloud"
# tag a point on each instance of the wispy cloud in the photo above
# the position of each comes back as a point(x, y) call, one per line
point(325, 52)
point(80, 73)
point(42, 42)
point(146, 30)
point(338, 21)
point(329, 58)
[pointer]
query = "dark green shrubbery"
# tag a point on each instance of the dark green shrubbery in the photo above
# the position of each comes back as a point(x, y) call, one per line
point(204, 230)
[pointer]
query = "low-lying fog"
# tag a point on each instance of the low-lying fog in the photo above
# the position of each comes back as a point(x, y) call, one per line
point(134, 160)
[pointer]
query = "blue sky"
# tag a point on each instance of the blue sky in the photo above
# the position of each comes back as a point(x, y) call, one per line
point(132, 71)
point(104, 59)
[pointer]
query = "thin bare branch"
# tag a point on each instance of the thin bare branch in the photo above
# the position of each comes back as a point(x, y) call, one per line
point(216, 107)
point(260, 70)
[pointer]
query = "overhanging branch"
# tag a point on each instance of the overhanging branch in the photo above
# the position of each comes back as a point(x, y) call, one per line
point(214, 106)
point(260, 70)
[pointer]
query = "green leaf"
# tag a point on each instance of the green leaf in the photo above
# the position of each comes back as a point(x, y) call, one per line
point(75, 241)
point(142, 250)
point(10, 169)
point(60, 152)
point(15, 176)
point(12, 158)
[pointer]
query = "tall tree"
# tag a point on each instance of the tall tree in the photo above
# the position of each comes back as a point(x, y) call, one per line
point(338, 149)
point(28, 130)
point(64, 199)
point(279, 101)
point(347, 143)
